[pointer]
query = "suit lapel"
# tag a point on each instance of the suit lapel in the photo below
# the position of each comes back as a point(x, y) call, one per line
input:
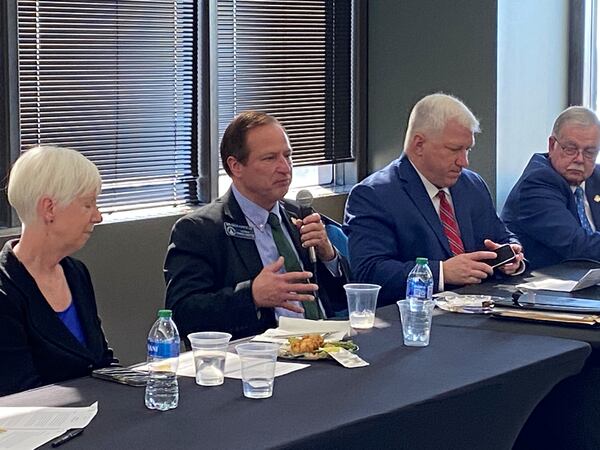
point(418, 194)
point(246, 248)
point(86, 312)
point(592, 192)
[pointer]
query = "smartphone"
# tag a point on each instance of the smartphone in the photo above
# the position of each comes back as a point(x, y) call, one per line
point(504, 255)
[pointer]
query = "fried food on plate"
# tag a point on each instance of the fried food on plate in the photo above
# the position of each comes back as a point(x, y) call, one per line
point(307, 344)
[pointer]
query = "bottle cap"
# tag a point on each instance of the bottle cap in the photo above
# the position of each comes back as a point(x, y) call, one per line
point(422, 261)
point(165, 313)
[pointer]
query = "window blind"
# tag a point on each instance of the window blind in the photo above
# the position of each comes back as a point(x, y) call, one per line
point(114, 80)
point(291, 59)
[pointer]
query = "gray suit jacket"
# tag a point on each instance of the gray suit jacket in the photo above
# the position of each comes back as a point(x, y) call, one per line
point(209, 273)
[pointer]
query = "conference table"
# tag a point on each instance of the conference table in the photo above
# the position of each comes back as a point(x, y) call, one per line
point(569, 417)
point(470, 388)
point(505, 287)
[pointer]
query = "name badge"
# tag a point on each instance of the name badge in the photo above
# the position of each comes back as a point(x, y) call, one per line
point(239, 231)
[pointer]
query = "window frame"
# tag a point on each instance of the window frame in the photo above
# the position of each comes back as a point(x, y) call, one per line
point(9, 117)
point(581, 83)
point(344, 174)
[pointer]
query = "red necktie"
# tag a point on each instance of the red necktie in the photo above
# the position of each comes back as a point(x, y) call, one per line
point(450, 226)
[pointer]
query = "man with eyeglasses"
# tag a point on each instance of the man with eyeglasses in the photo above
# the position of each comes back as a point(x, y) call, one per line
point(554, 207)
point(427, 204)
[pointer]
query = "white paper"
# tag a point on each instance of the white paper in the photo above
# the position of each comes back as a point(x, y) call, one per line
point(232, 366)
point(348, 359)
point(591, 278)
point(29, 427)
point(46, 418)
point(335, 330)
point(27, 439)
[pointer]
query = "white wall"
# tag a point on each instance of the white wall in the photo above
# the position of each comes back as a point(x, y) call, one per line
point(532, 82)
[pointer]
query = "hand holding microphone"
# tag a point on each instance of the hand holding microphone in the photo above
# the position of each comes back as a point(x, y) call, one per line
point(312, 230)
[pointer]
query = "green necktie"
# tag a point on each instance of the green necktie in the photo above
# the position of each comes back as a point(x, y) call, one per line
point(311, 309)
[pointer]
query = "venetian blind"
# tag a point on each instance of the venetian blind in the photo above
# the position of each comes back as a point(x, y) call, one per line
point(114, 80)
point(291, 59)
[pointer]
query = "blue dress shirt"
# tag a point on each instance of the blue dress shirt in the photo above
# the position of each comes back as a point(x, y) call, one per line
point(257, 216)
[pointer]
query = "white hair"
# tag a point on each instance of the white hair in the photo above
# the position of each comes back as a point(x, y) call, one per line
point(432, 113)
point(576, 115)
point(62, 174)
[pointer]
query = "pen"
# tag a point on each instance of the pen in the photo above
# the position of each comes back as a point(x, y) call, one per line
point(70, 434)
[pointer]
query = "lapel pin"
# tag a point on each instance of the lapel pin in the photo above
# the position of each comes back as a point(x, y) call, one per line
point(597, 198)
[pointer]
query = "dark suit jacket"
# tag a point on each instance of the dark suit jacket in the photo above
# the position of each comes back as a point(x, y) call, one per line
point(209, 274)
point(390, 221)
point(36, 348)
point(541, 210)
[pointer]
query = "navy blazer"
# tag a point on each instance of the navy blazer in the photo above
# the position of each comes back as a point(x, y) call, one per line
point(36, 347)
point(541, 210)
point(209, 273)
point(390, 221)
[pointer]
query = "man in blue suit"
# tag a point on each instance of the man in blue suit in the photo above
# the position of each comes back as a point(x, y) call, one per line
point(398, 214)
point(555, 206)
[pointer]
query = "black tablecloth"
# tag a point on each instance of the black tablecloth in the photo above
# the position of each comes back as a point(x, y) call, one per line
point(486, 322)
point(569, 417)
point(469, 389)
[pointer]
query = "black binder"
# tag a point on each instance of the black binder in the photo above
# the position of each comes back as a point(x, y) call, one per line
point(549, 302)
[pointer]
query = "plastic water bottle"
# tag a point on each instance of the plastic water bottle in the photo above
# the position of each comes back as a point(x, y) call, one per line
point(419, 284)
point(162, 390)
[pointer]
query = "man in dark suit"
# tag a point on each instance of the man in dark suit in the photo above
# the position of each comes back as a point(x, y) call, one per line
point(555, 206)
point(237, 264)
point(398, 213)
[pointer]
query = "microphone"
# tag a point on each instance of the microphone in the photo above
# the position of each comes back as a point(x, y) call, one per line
point(305, 200)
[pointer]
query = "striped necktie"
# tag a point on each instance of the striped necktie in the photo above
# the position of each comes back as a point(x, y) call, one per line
point(311, 309)
point(585, 223)
point(450, 226)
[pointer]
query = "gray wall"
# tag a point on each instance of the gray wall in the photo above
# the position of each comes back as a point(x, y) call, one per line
point(417, 47)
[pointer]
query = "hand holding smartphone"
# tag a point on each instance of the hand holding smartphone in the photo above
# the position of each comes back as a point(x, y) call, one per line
point(504, 255)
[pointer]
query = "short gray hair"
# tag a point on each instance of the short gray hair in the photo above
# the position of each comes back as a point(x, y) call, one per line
point(433, 112)
point(62, 174)
point(577, 115)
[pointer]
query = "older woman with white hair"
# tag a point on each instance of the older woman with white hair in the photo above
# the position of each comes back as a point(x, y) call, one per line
point(50, 327)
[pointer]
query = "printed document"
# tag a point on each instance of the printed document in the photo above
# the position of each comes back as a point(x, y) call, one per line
point(23, 428)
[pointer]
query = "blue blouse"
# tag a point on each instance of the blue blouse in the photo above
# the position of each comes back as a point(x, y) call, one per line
point(71, 320)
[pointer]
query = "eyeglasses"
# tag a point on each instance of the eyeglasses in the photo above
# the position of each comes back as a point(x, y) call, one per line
point(572, 150)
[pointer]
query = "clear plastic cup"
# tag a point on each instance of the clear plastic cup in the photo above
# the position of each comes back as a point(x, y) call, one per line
point(416, 321)
point(258, 368)
point(362, 301)
point(210, 349)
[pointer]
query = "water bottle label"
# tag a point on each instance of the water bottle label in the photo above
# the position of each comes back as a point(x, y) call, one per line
point(158, 349)
point(419, 289)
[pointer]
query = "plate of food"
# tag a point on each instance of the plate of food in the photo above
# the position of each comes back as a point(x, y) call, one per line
point(468, 304)
point(313, 347)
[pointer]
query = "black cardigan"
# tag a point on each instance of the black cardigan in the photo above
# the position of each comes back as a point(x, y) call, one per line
point(36, 348)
